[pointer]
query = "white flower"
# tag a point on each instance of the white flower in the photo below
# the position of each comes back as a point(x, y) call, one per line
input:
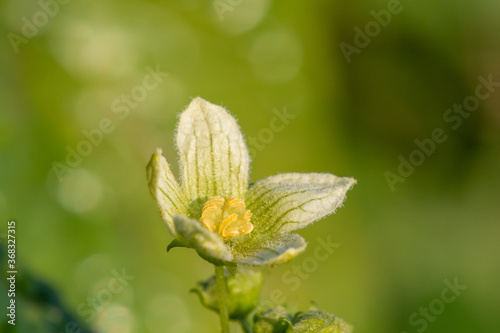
point(215, 211)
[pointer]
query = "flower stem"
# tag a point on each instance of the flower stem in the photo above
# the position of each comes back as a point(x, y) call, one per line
point(221, 293)
point(245, 325)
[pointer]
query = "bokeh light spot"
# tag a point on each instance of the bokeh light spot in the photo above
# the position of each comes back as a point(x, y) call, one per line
point(168, 310)
point(242, 16)
point(276, 57)
point(115, 319)
point(81, 191)
point(92, 50)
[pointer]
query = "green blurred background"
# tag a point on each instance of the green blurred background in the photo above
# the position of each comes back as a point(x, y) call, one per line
point(352, 119)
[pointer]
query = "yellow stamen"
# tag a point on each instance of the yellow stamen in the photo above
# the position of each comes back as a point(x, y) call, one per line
point(227, 217)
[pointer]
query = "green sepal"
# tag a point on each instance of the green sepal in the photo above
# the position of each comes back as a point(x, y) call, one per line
point(232, 268)
point(176, 243)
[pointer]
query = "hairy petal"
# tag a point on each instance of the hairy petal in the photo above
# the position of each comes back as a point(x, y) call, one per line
point(270, 251)
point(165, 190)
point(208, 244)
point(288, 202)
point(213, 155)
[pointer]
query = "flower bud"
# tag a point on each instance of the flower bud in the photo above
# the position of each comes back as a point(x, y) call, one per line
point(319, 321)
point(243, 289)
point(278, 320)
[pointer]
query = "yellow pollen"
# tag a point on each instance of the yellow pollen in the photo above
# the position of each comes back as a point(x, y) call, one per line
point(227, 217)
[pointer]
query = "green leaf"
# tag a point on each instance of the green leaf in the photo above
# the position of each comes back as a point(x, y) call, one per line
point(213, 155)
point(292, 201)
point(165, 190)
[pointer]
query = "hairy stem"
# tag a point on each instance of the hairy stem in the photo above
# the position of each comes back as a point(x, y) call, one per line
point(221, 294)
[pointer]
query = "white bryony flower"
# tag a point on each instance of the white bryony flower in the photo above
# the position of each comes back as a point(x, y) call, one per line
point(215, 211)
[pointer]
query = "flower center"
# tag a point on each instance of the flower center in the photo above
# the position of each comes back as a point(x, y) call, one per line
point(227, 217)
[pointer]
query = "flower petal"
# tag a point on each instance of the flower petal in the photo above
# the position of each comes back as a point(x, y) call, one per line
point(287, 202)
point(270, 251)
point(208, 244)
point(165, 190)
point(213, 155)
